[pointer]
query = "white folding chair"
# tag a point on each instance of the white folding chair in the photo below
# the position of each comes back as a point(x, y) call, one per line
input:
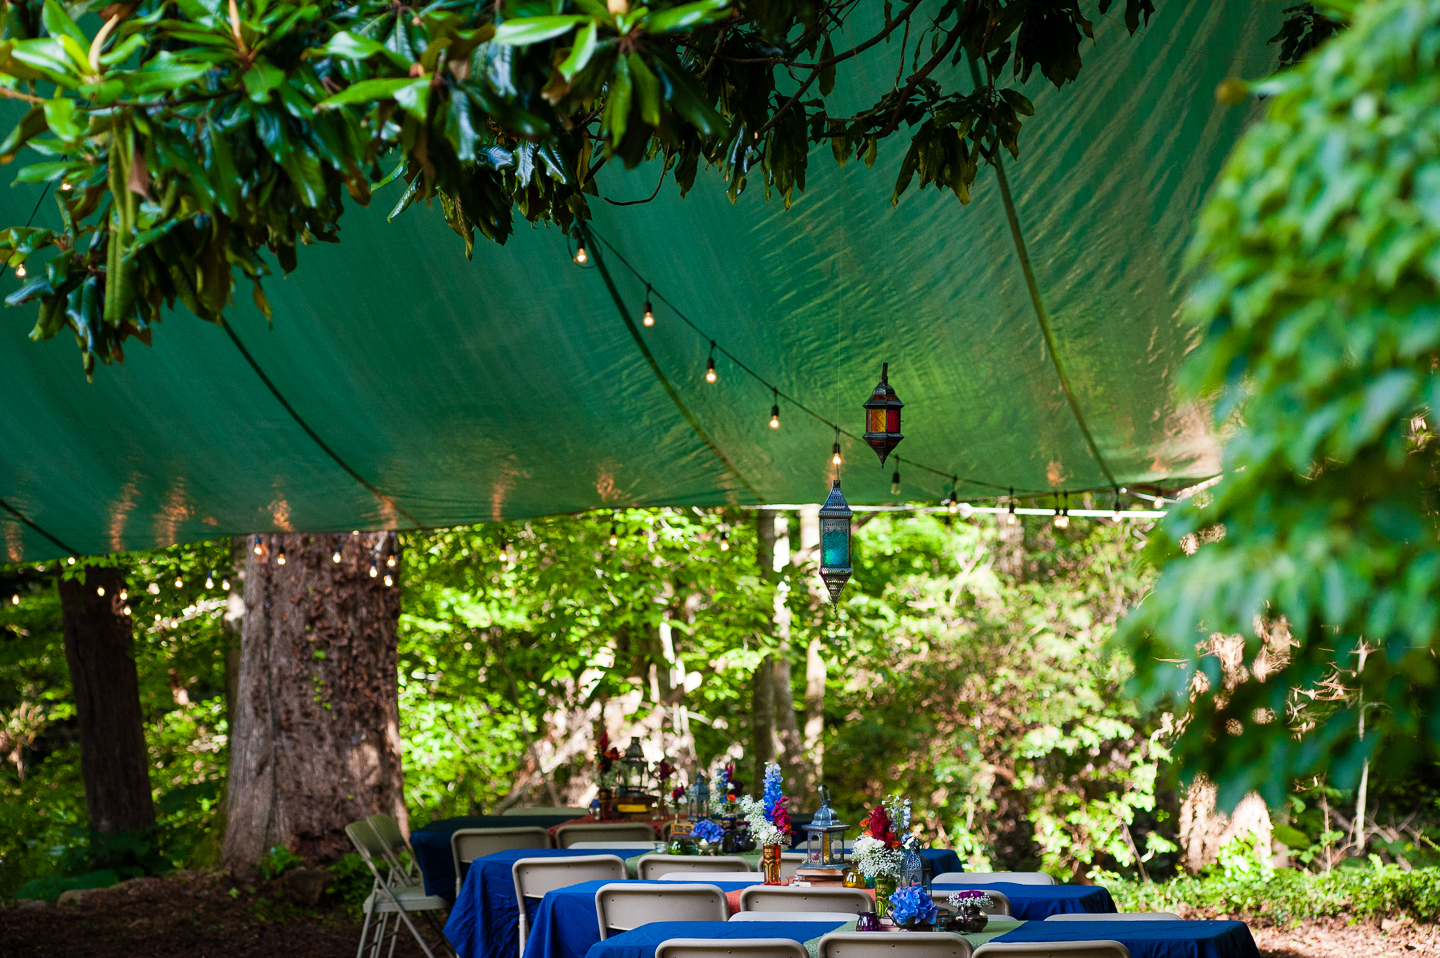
point(624, 906)
point(653, 866)
point(1118, 916)
point(468, 844)
point(794, 916)
point(649, 846)
point(741, 878)
point(983, 878)
point(1053, 949)
point(774, 898)
point(999, 901)
point(398, 852)
point(572, 810)
point(915, 944)
point(730, 948)
point(604, 832)
point(535, 876)
point(389, 896)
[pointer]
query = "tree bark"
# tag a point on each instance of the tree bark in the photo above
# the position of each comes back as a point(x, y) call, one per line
point(99, 650)
point(316, 740)
point(815, 670)
point(762, 689)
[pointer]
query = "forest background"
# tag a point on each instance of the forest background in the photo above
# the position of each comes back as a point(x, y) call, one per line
point(968, 669)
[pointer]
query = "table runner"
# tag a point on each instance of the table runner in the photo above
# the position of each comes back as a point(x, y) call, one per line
point(484, 922)
point(432, 844)
point(1038, 902)
point(565, 924)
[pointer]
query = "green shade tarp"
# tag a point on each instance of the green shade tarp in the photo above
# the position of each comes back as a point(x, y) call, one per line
point(429, 391)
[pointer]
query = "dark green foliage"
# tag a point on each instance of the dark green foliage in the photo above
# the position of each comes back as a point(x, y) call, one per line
point(1321, 318)
point(1303, 30)
point(186, 140)
point(95, 860)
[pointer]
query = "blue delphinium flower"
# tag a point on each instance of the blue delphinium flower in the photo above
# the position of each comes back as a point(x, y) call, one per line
point(912, 902)
point(707, 831)
point(774, 790)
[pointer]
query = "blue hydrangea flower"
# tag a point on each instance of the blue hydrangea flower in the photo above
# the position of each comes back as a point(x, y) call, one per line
point(912, 902)
point(774, 790)
point(707, 831)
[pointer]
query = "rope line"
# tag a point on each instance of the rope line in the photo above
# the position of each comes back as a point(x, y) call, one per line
point(29, 522)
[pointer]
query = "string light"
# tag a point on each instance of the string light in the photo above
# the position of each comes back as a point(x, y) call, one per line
point(1116, 514)
point(210, 580)
point(774, 411)
point(127, 610)
point(390, 561)
point(725, 542)
point(1010, 516)
point(1062, 516)
point(388, 580)
point(649, 318)
point(99, 590)
point(66, 187)
point(710, 374)
point(895, 482)
point(835, 459)
point(954, 498)
point(15, 599)
point(374, 567)
point(180, 583)
point(614, 535)
point(258, 547)
point(70, 561)
point(124, 594)
point(336, 556)
point(20, 271)
point(280, 556)
point(225, 584)
point(581, 257)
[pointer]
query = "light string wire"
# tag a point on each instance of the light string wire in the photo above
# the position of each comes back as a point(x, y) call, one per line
point(715, 345)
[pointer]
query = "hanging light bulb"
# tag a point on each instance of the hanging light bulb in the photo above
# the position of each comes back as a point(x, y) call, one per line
point(124, 594)
point(280, 556)
point(20, 271)
point(99, 590)
point(66, 187)
point(895, 482)
point(581, 257)
point(774, 411)
point(225, 584)
point(374, 567)
point(954, 501)
point(179, 582)
point(1062, 516)
point(710, 374)
point(15, 599)
point(127, 610)
point(835, 459)
point(725, 542)
point(258, 547)
point(614, 535)
point(210, 580)
point(336, 556)
point(390, 561)
point(649, 318)
point(70, 561)
point(1010, 516)
point(1115, 514)
point(388, 579)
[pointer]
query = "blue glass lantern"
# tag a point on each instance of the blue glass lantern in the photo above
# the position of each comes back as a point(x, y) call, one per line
point(835, 542)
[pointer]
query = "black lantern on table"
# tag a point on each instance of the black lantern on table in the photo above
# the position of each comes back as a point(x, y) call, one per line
point(699, 798)
point(633, 769)
point(882, 416)
point(825, 835)
point(835, 542)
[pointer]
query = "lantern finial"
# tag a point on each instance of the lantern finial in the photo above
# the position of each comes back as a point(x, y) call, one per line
point(835, 542)
point(882, 416)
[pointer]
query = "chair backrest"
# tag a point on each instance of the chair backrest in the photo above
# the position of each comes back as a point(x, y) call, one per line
point(1053, 949)
point(649, 846)
point(369, 846)
point(626, 905)
point(794, 916)
point(394, 841)
point(1120, 916)
point(777, 898)
point(730, 948)
point(742, 878)
point(604, 832)
point(789, 861)
point(999, 901)
point(469, 844)
point(982, 878)
point(653, 866)
point(574, 810)
point(535, 876)
point(916, 944)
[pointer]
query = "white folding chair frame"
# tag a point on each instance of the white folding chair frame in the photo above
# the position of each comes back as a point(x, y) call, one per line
point(917, 944)
point(984, 878)
point(794, 916)
point(389, 895)
point(705, 901)
point(781, 898)
point(1000, 902)
point(558, 873)
point(461, 837)
point(620, 831)
point(730, 948)
point(653, 866)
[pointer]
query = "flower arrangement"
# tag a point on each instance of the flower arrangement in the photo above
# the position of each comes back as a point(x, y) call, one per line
point(663, 771)
point(762, 830)
point(725, 791)
point(707, 831)
point(969, 898)
point(774, 788)
point(912, 903)
point(606, 756)
point(875, 858)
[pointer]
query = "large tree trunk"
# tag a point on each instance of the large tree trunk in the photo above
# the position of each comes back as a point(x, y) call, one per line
point(316, 740)
point(807, 557)
point(98, 648)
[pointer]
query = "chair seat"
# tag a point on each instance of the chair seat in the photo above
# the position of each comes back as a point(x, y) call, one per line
point(793, 916)
point(412, 898)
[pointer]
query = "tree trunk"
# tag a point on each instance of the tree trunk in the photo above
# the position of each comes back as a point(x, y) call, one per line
point(762, 720)
point(98, 649)
point(807, 556)
point(316, 741)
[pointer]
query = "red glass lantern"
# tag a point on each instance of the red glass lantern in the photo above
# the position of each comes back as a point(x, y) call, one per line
point(882, 416)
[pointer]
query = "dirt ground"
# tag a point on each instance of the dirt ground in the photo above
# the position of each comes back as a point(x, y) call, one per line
point(197, 916)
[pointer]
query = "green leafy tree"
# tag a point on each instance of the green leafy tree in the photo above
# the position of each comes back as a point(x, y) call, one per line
point(1321, 319)
point(187, 139)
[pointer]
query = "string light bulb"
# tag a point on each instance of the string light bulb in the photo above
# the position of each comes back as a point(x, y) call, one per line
point(15, 599)
point(124, 594)
point(374, 567)
point(895, 483)
point(336, 556)
point(225, 584)
point(210, 580)
point(127, 610)
point(775, 410)
point(1115, 514)
point(725, 542)
point(388, 579)
point(581, 257)
point(66, 187)
point(390, 561)
point(70, 561)
point(1062, 516)
point(280, 556)
point(649, 318)
point(954, 501)
point(1010, 515)
point(614, 535)
point(710, 374)
point(20, 271)
point(180, 583)
point(835, 459)
point(99, 590)
point(258, 547)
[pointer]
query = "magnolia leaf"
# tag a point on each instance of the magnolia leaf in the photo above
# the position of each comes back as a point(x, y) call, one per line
point(579, 54)
point(524, 31)
point(685, 16)
point(647, 89)
point(60, 117)
point(58, 24)
point(261, 79)
point(365, 91)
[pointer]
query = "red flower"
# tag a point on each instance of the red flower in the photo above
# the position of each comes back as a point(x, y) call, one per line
point(780, 817)
point(663, 771)
point(677, 793)
point(878, 826)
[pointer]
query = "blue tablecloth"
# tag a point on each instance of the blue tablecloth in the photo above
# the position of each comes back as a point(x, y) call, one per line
point(641, 942)
point(432, 844)
point(1038, 902)
point(942, 860)
point(565, 924)
point(485, 919)
point(1149, 939)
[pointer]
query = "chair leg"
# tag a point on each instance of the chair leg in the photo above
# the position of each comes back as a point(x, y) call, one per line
point(364, 931)
point(379, 941)
point(405, 916)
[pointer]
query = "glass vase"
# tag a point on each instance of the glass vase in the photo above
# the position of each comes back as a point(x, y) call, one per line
point(770, 864)
point(884, 885)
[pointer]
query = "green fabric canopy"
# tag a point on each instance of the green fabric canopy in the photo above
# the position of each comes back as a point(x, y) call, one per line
point(427, 390)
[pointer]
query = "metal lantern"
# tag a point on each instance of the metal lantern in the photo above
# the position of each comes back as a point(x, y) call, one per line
point(835, 542)
point(825, 835)
point(699, 798)
point(633, 769)
point(882, 416)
